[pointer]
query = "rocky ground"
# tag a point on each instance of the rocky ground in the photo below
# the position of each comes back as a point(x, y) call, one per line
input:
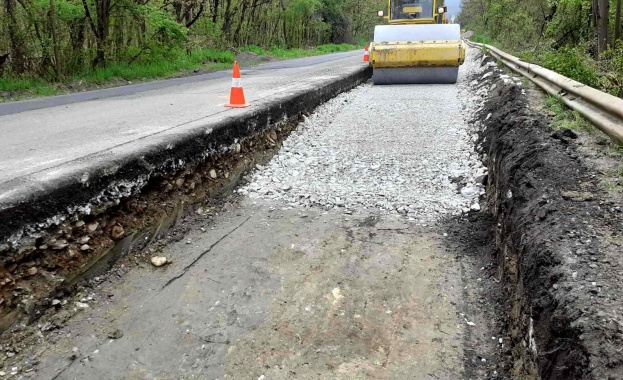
point(401, 149)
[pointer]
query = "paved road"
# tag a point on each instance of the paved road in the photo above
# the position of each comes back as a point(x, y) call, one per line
point(64, 131)
point(53, 101)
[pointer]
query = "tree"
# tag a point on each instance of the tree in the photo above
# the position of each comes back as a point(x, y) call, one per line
point(603, 40)
point(617, 22)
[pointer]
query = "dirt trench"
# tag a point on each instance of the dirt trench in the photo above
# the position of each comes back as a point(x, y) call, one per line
point(558, 238)
point(72, 252)
point(61, 236)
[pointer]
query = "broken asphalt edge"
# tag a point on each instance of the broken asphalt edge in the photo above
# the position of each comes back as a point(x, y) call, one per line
point(30, 205)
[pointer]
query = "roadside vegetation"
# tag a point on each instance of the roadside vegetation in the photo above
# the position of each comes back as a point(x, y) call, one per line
point(563, 117)
point(580, 39)
point(52, 46)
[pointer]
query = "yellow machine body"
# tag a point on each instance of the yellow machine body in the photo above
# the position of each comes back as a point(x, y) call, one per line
point(417, 53)
point(417, 36)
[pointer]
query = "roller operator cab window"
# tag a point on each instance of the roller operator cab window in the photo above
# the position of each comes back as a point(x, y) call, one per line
point(409, 9)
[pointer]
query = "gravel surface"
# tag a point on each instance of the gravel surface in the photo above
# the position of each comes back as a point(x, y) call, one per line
point(401, 148)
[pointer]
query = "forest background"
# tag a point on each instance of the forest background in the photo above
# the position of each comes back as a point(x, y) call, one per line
point(73, 42)
point(580, 39)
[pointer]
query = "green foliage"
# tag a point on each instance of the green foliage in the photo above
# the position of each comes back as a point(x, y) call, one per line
point(321, 49)
point(160, 69)
point(569, 24)
point(254, 49)
point(571, 63)
point(166, 32)
point(146, 39)
point(612, 66)
point(563, 117)
point(557, 34)
point(482, 39)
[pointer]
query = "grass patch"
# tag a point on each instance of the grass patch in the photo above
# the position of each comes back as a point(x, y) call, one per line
point(572, 64)
point(318, 50)
point(204, 58)
point(564, 117)
point(482, 39)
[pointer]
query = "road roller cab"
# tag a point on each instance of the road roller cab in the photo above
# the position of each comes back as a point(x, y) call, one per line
point(418, 46)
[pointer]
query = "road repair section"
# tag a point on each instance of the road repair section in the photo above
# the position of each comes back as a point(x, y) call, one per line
point(67, 157)
point(332, 262)
point(41, 141)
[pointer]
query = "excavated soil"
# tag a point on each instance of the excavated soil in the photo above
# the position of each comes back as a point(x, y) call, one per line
point(558, 237)
point(67, 254)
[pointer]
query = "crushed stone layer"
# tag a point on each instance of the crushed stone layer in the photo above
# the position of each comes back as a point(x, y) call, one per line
point(395, 149)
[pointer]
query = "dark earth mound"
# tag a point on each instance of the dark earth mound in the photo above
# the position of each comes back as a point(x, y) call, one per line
point(558, 238)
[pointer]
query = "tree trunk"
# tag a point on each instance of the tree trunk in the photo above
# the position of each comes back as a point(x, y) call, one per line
point(243, 12)
point(602, 25)
point(215, 11)
point(226, 28)
point(617, 22)
point(17, 51)
point(57, 59)
point(99, 28)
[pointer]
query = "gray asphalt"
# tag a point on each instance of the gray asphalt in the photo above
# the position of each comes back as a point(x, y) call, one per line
point(9, 108)
point(54, 141)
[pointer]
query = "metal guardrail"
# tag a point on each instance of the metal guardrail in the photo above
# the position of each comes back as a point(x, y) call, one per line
point(603, 110)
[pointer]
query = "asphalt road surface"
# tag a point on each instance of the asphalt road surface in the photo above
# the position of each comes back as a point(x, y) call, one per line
point(60, 133)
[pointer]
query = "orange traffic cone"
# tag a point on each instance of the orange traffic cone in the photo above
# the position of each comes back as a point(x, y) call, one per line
point(366, 54)
point(236, 96)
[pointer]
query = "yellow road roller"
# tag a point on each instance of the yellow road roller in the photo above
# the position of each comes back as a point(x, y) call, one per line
point(418, 45)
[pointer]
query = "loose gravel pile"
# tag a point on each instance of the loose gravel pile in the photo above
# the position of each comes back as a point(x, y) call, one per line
point(401, 148)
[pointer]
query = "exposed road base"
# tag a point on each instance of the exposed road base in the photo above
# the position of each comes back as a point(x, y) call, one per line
point(155, 187)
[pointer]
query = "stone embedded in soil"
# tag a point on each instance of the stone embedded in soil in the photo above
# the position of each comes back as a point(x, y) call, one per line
point(82, 305)
point(85, 247)
point(115, 334)
point(469, 192)
point(93, 226)
point(213, 174)
point(158, 261)
point(60, 244)
point(117, 232)
point(32, 271)
point(577, 196)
